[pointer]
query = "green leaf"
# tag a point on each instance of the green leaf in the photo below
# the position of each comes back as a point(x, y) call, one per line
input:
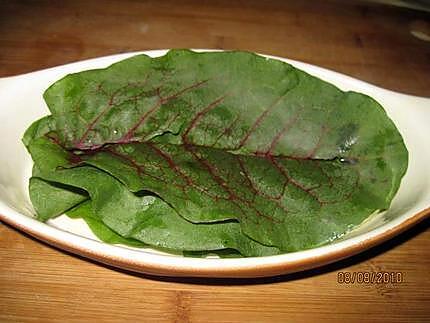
point(38, 129)
point(85, 211)
point(145, 218)
point(53, 199)
point(230, 136)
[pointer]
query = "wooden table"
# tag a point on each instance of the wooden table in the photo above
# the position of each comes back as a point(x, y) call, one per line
point(373, 43)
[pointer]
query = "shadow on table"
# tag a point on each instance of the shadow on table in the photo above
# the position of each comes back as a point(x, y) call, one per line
point(336, 266)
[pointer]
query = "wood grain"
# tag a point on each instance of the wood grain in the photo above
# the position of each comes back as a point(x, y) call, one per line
point(373, 43)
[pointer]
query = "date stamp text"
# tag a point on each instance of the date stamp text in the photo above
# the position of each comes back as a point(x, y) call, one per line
point(369, 277)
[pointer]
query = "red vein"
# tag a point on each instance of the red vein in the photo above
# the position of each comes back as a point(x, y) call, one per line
point(175, 117)
point(54, 139)
point(171, 163)
point(233, 197)
point(139, 168)
point(200, 115)
point(324, 130)
point(130, 160)
point(310, 189)
point(293, 181)
point(184, 90)
point(258, 121)
point(225, 131)
point(179, 171)
point(329, 179)
point(110, 104)
point(257, 191)
point(282, 133)
point(77, 109)
point(100, 89)
point(159, 103)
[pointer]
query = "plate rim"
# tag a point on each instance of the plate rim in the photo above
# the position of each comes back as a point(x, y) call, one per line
point(248, 270)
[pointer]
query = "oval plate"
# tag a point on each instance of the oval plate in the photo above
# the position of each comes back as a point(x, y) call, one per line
point(22, 103)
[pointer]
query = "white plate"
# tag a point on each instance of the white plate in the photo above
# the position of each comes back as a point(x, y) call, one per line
point(22, 103)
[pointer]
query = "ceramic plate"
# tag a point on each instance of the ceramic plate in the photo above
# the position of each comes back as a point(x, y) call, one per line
point(22, 103)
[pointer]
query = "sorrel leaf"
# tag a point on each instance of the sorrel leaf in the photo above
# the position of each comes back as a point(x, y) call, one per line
point(232, 136)
point(104, 233)
point(144, 218)
point(53, 199)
